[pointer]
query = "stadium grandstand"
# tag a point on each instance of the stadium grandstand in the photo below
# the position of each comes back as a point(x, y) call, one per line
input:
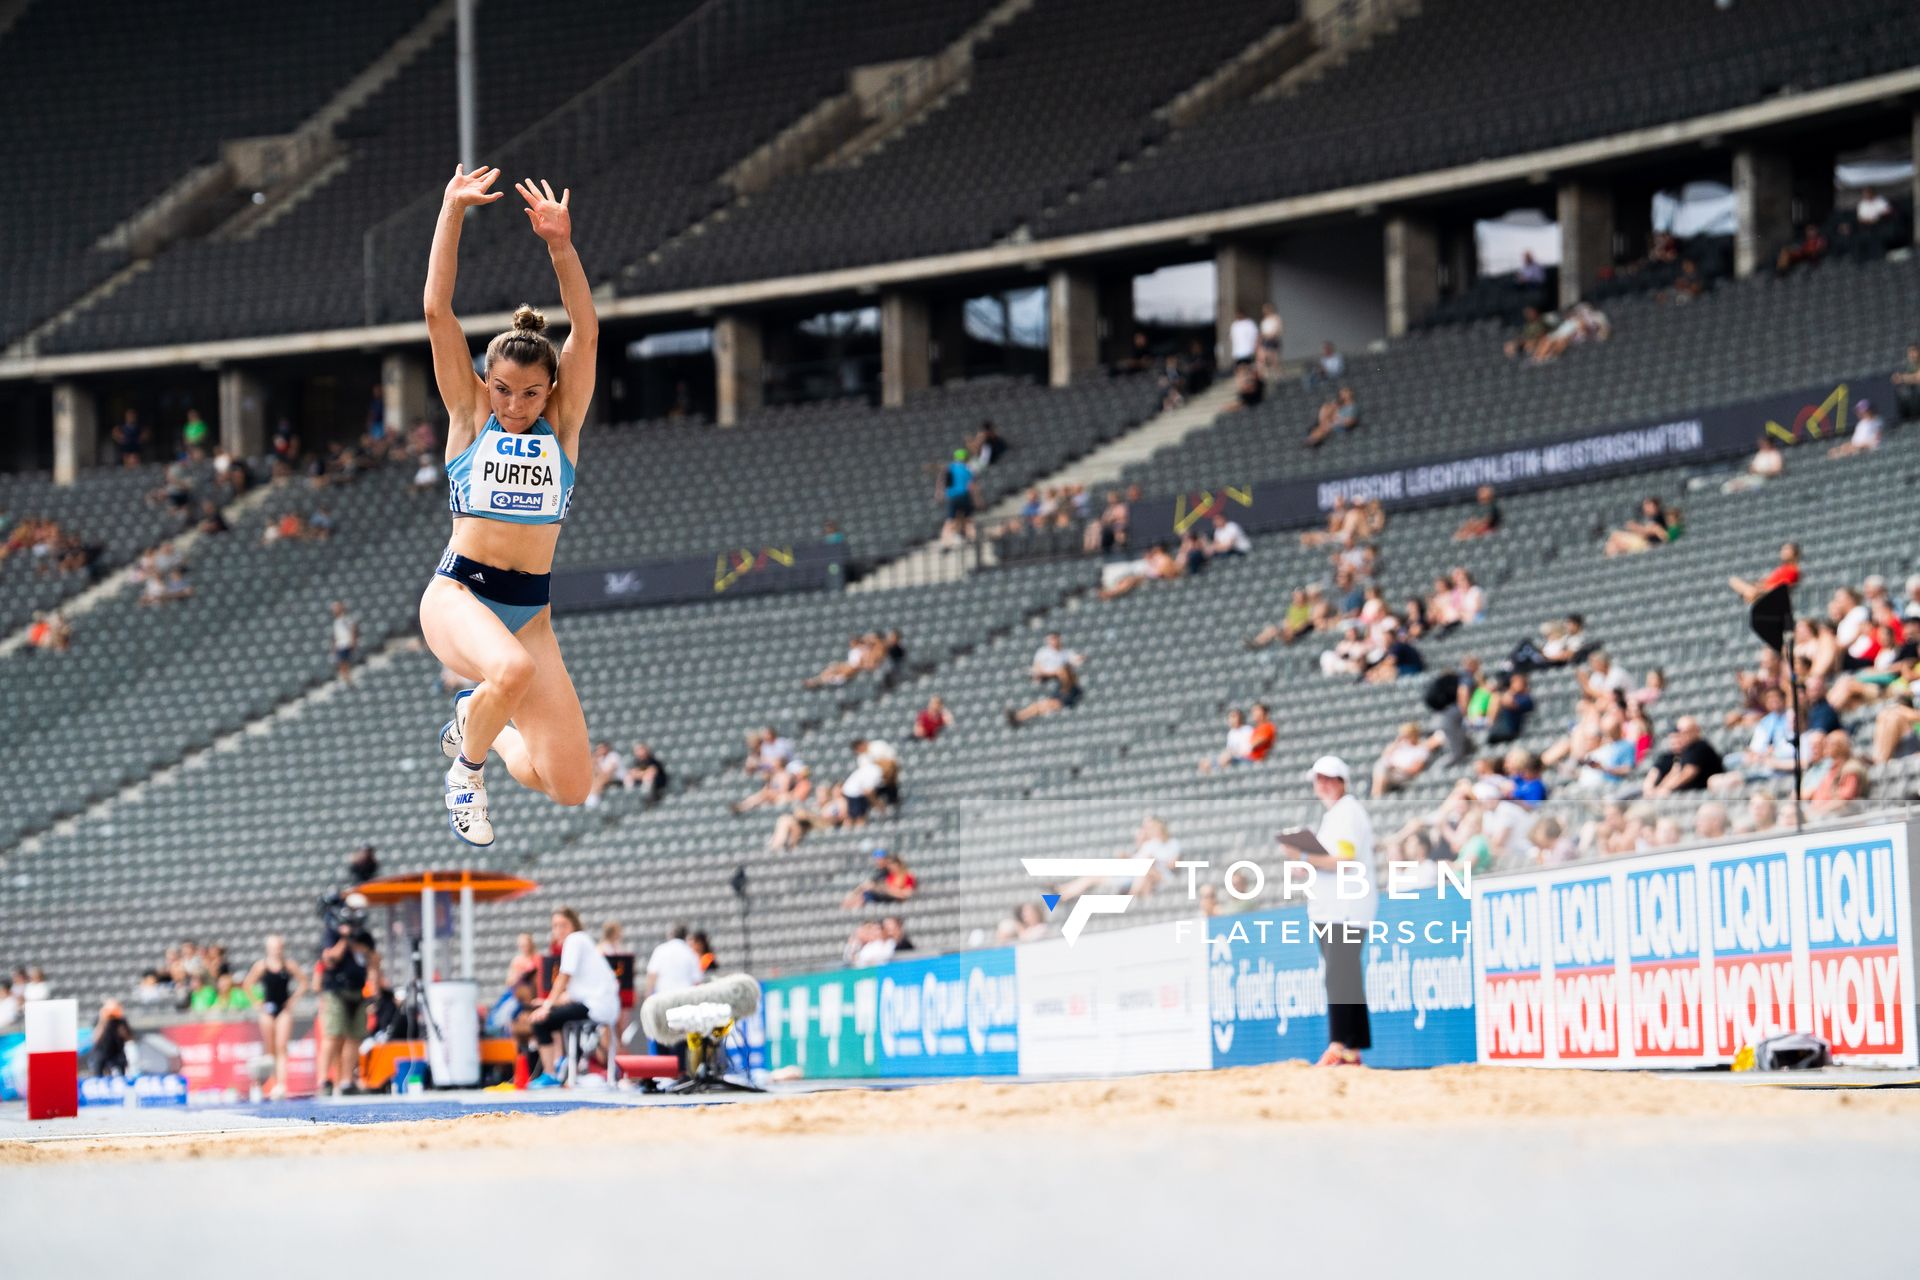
point(993, 399)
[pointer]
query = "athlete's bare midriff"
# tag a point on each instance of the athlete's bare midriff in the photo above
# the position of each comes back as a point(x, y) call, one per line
point(524, 548)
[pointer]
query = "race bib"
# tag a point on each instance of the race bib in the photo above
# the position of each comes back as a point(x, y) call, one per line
point(516, 476)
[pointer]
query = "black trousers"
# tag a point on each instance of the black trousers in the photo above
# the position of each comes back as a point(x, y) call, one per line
point(1341, 950)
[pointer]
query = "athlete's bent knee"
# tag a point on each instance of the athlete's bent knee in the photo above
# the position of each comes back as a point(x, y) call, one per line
point(571, 792)
point(512, 673)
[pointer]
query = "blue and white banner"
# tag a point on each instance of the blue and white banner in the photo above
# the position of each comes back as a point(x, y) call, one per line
point(1267, 992)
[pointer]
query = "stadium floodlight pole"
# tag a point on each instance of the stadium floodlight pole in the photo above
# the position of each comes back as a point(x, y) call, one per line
point(466, 77)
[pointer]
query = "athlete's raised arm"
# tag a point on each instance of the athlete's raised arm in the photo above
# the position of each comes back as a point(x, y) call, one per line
point(553, 222)
point(460, 388)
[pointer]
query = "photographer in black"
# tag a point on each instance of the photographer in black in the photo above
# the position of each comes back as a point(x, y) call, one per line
point(349, 962)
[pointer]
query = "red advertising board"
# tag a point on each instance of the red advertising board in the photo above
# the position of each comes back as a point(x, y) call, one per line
point(215, 1056)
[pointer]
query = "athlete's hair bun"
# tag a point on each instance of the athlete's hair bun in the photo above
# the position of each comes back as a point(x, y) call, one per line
point(528, 320)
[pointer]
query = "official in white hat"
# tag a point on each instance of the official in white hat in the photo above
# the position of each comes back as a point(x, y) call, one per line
point(1340, 923)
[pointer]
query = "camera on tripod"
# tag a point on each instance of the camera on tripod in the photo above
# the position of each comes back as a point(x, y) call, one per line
point(341, 911)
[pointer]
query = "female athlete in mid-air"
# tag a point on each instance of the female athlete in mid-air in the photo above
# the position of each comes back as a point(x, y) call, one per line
point(512, 437)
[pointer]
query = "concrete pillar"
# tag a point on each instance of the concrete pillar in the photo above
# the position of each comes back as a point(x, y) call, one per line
point(76, 431)
point(1763, 203)
point(1116, 318)
point(949, 321)
point(1073, 325)
point(906, 363)
point(1413, 271)
point(404, 382)
point(1240, 282)
point(243, 413)
point(1586, 237)
point(737, 345)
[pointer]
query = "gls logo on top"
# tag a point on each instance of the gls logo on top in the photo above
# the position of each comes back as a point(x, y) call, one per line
point(1664, 985)
point(520, 447)
point(1750, 919)
point(1853, 945)
point(1586, 996)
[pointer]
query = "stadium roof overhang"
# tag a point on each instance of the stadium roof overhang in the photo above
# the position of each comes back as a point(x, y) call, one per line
point(1167, 240)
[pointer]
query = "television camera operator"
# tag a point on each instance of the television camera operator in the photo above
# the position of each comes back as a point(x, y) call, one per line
point(349, 963)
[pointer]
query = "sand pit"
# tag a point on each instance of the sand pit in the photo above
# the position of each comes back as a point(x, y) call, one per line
point(1279, 1095)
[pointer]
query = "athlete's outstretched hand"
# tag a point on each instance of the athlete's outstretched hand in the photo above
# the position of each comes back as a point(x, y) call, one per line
point(465, 190)
point(551, 220)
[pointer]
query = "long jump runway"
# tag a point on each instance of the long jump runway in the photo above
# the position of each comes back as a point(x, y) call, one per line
point(1460, 1171)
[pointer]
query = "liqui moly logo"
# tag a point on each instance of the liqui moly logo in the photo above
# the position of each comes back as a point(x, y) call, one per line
point(1585, 985)
point(1853, 942)
point(1664, 979)
point(1750, 924)
point(1507, 928)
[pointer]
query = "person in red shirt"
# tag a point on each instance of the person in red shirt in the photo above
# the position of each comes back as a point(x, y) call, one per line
point(1785, 574)
point(933, 720)
point(1263, 733)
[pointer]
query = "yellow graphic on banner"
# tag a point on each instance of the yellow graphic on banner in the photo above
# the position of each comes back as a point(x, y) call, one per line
point(1828, 418)
point(1189, 511)
point(731, 566)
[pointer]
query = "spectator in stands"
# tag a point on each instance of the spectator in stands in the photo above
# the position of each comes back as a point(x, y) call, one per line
point(1767, 463)
point(10, 1004)
point(1530, 272)
point(1907, 380)
point(958, 493)
point(1059, 675)
point(1533, 329)
point(1810, 248)
point(1485, 518)
point(1173, 384)
point(1893, 725)
point(894, 930)
point(1687, 763)
point(1404, 759)
point(1784, 574)
point(1550, 844)
point(645, 772)
point(1710, 822)
point(1868, 428)
point(603, 769)
point(613, 938)
point(1243, 340)
point(194, 435)
point(1512, 705)
point(1763, 813)
point(1583, 324)
point(1769, 752)
point(934, 719)
point(1653, 687)
point(1110, 530)
point(1248, 389)
point(867, 946)
point(175, 491)
point(1150, 841)
point(1296, 622)
point(421, 438)
point(344, 635)
point(1159, 565)
point(766, 750)
point(221, 995)
point(1837, 780)
point(1872, 208)
point(1653, 525)
point(889, 881)
point(864, 786)
point(426, 475)
point(211, 521)
point(988, 445)
point(49, 633)
point(1239, 747)
point(130, 438)
point(1272, 332)
point(864, 653)
point(1342, 413)
point(793, 827)
point(1329, 367)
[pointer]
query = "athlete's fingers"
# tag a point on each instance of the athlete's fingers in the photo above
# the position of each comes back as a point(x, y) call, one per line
point(547, 187)
point(565, 196)
point(525, 189)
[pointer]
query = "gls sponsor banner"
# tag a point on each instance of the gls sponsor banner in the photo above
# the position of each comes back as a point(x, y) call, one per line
point(742, 571)
point(1817, 413)
point(945, 1015)
point(1690, 957)
point(1126, 1000)
point(1267, 993)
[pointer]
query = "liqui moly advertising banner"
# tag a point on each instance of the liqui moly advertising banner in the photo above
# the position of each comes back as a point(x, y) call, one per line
point(1686, 958)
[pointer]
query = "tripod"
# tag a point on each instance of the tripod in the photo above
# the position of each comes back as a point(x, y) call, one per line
point(418, 1022)
point(738, 883)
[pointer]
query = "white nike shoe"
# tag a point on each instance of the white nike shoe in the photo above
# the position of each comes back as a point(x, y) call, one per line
point(467, 807)
point(454, 731)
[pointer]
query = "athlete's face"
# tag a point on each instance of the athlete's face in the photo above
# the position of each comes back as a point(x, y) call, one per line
point(517, 393)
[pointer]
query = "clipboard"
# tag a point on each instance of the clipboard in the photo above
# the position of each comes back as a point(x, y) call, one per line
point(1301, 840)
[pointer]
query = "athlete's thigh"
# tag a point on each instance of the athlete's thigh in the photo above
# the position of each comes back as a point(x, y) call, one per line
point(461, 631)
point(549, 717)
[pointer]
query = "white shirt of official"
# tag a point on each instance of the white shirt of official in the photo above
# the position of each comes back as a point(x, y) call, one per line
point(590, 979)
point(675, 966)
point(1346, 832)
point(1244, 337)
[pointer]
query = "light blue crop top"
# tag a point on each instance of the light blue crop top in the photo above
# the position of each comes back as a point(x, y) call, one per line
point(524, 479)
